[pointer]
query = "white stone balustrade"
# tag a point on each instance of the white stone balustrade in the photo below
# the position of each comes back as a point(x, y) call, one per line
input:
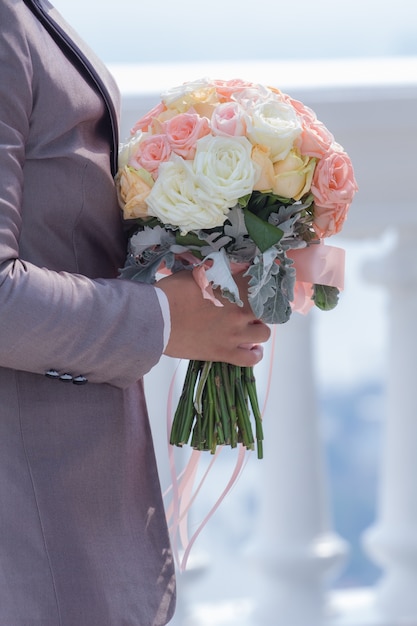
point(370, 106)
point(296, 550)
point(393, 540)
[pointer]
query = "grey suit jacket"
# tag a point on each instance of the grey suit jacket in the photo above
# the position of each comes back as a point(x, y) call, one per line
point(83, 540)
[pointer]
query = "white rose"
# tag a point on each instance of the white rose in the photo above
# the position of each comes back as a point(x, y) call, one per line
point(274, 124)
point(128, 149)
point(252, 96)
point(177, 198)
point(224, 168)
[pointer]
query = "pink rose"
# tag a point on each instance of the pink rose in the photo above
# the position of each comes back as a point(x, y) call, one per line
point(144, 122)
point(315, 139)
point(183, 131)
point(151, 151)
point(333, 188)
point(226, 88)
point(228, 119)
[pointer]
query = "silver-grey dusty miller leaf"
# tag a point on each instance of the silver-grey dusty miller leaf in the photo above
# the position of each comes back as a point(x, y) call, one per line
point(271, 287)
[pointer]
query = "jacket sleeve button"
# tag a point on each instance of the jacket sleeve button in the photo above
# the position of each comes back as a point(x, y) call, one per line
point(52, 374)
point(66, 378)
point(79, 380)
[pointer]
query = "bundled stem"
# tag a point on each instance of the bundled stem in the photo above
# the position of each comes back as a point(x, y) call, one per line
point(215, 408)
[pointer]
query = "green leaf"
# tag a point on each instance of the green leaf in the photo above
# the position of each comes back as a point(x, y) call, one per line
point(188, 240)
point(264, 235)
point(150, 222)
point(244, 200)
point(325, 297)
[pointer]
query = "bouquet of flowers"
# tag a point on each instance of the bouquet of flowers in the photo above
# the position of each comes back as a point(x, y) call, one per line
point(222, 176)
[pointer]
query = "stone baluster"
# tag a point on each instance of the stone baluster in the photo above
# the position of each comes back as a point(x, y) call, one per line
point(296, 550)
point(392, 542)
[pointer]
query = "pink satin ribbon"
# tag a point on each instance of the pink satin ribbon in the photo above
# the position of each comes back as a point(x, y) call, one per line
point(183, 491)
point(319, 264)
point(315, 264)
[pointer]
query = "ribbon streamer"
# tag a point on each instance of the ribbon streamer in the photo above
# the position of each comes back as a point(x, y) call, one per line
point(315, 264)
point(183, 489)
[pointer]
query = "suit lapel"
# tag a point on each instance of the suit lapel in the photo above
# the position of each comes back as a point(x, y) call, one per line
point(68, 39)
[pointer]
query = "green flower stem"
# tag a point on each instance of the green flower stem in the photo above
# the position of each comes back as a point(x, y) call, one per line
point(198, 402)
point(243, 412)
point(214, 408)
point(250, 382)
point(220, 417)
point(229, 372)
point(222, 383)
point(184, 415)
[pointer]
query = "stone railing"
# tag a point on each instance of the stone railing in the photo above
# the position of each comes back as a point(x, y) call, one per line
point(370, 106)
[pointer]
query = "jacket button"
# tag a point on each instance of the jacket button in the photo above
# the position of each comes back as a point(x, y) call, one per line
point(79, 380)
point(52, 374)
point(66, 378)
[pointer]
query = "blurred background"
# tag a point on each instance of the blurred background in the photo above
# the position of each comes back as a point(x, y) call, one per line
point(361, 41)
point(142, 32)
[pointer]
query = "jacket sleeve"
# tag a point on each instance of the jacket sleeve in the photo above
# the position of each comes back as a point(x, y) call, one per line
point(109, 330)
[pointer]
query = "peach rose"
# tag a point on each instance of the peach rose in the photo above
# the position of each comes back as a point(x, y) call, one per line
point(152, 151)
point(315, 139)
point(264, 168)
point(333, 187)
point(133, 187)
point(228, 119)
point(182, 132)
point(293, 175)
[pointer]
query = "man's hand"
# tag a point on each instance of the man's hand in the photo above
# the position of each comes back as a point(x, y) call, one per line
point(202, 331)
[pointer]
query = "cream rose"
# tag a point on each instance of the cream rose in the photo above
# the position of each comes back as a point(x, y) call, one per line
point(254, 95)
point(274, 124)
point(224, 168)
point(293, 175)
point(128, 150)
point(266, 176)
point(189, 94)
point(133, 188)
point(178, 199)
